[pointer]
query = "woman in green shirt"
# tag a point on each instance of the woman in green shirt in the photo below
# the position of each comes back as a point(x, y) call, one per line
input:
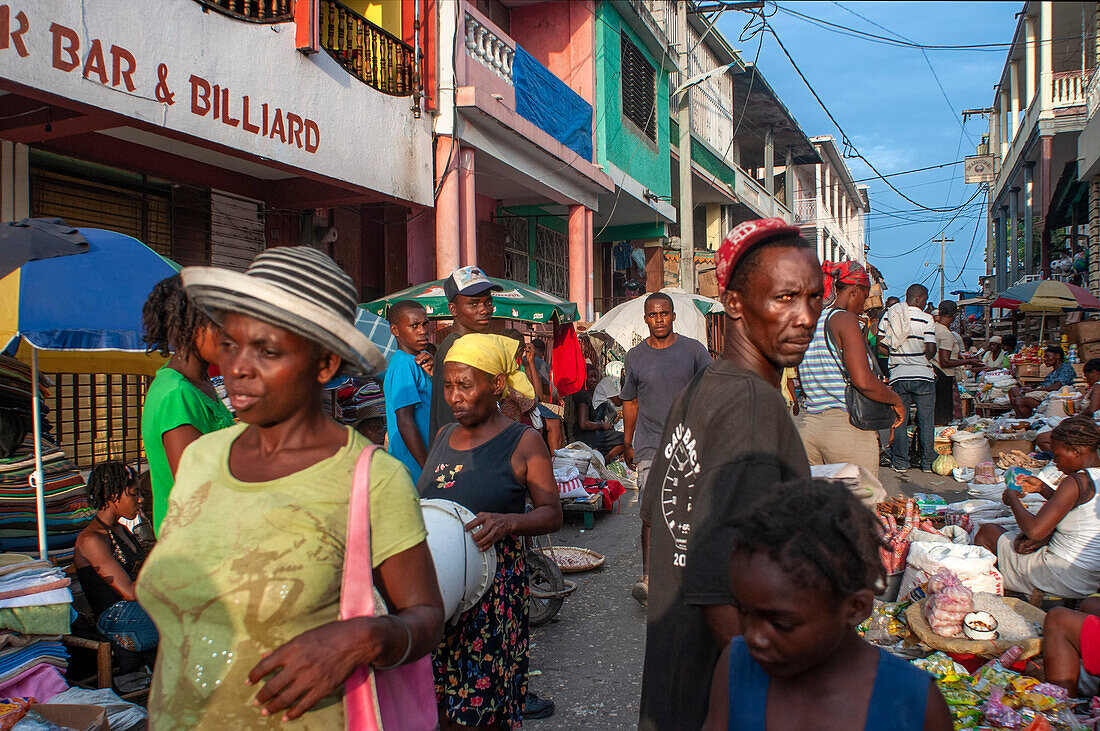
point(245, 582)
point(181, 404)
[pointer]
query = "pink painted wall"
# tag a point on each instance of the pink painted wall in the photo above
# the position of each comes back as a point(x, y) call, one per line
point(485, 207)
point(562, 36)
point(420, 249)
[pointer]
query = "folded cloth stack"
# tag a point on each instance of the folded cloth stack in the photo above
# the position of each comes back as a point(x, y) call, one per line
point(34, 596)
point(20, 654)
point(67, 510)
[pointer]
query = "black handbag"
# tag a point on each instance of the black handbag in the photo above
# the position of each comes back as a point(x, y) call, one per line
point(863, 413)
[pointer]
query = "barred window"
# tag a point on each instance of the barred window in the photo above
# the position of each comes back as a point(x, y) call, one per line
point(639, 89)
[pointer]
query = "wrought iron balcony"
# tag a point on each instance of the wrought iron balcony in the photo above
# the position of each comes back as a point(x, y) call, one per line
point(253, 11)
point(366, 51)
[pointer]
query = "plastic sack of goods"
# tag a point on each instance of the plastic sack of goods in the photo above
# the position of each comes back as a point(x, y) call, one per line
point(973, 565)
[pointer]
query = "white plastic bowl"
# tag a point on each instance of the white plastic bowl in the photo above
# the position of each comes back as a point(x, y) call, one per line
point(980, 626)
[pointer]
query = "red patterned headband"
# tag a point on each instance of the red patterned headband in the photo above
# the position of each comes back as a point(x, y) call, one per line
point(743, 238)
point(846, 272)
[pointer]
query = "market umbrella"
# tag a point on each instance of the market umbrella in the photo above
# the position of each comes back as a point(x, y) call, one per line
point(514, 302)
point(37, 238)
point(625, 323)
point(377, 331)
point(80, 314)
point(1046, 295)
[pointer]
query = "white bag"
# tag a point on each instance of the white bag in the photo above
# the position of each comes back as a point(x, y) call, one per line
point(973, 565)
point(970, 450)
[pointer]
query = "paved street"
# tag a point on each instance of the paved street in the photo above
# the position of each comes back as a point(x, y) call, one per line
point(590, 656)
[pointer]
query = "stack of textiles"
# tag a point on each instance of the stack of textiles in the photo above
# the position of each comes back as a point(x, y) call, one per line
point(67, 511)
point(16, 391)
point(34, 596)
point(32, 666)
point(360, 399)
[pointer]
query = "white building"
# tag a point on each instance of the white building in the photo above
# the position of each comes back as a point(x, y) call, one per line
point(830, 207)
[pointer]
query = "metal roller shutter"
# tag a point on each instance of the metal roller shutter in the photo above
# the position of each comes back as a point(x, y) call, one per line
point(236, 229)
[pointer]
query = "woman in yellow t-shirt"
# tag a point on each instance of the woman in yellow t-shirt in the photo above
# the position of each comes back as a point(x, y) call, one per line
point(244, 584)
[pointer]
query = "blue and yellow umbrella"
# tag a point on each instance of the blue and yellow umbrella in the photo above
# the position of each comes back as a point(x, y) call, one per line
point(80, 314)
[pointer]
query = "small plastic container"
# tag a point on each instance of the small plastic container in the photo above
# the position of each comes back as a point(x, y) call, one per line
point(980, 626)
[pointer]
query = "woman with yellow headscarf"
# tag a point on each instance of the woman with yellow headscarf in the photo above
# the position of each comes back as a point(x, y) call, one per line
point(490, 465)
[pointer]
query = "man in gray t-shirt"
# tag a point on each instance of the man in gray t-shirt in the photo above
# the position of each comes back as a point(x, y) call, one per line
point(655, 372)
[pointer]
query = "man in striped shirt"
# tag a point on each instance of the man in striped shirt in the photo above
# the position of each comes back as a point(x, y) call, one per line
point(908, 335)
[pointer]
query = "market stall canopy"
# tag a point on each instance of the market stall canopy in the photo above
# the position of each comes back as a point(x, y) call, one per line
point(37, 238)
point(1046, 295)
point(377, 331)
point(625, 323)
point(83, 312)
point(514, 302)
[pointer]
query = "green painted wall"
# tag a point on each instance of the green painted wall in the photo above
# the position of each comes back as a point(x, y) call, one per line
point(617, 141)
point(706, 159)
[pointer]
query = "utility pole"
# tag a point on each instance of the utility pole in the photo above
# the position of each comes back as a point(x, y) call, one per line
point(943, 241)
point(687, 197)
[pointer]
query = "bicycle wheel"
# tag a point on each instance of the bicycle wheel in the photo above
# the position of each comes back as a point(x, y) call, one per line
point(547, 584)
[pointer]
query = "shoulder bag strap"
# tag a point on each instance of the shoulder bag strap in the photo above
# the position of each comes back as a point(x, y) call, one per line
point(357, 590)
point(361, 706)
point(832, 351)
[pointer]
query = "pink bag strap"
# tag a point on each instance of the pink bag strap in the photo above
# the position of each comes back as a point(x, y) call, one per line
point(357, 595)
point(357, 592)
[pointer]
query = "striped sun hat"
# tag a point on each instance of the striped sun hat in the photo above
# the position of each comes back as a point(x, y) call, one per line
point(296, 288)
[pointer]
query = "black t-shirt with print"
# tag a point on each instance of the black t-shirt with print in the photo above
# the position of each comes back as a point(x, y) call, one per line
point(727, 439)
point(441, 413)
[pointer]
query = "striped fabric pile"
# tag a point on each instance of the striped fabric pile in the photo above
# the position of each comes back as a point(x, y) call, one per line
point(67, 510)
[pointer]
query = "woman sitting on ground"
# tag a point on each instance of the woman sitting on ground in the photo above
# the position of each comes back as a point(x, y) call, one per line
point(1058, 548)
point(245, 583)
point(1087, 405)
point(490, 465)
point(804, 571)
point(108, 557)
point(1071, 642)
point(596, 426)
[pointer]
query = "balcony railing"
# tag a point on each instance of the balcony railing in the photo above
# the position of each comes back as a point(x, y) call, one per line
point(805, 210)
point(492, 51)
point(366, 51)
point(1067, 89)
point(253, 11)
point(1092, 91)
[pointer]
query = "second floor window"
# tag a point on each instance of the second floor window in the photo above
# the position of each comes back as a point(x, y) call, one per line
point(639, 89)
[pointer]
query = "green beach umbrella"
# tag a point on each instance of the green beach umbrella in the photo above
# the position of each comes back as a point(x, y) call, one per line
point(514, 302)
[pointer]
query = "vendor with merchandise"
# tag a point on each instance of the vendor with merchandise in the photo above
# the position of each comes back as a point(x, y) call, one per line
point(996, 355)
point(1061, 374)
point(1058, 548)
point(1087, 405)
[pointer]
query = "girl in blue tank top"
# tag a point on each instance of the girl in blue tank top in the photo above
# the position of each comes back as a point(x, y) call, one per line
point(804, 569)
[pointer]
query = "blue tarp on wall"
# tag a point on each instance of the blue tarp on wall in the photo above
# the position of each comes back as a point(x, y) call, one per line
point(545, 100)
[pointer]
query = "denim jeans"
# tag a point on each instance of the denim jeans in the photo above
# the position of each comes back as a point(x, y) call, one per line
point(923, 393)
point(127, 625)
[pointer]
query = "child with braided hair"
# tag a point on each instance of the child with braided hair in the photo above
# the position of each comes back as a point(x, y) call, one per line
point(804, 571)
point(1058, 548)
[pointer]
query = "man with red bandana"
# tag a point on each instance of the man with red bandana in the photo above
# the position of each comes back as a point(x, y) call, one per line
point(727, 439)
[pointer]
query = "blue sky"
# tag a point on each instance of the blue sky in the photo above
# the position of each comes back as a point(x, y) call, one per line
point(889, 103)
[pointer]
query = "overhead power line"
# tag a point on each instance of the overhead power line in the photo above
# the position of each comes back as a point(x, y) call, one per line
point(849, 147)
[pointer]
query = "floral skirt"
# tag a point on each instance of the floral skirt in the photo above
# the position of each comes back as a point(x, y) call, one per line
point(481, 665)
